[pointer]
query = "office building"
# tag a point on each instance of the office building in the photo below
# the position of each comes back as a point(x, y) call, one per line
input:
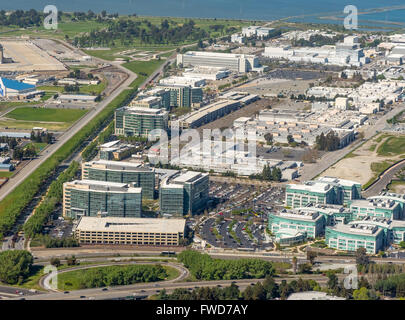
point(182, 95)
point(235, 62)
point(350, 237)
point(397, 198)
point(184, 193)
point(380, 208)
point(132, 121)
point(121, 172)
point(88, 197)
point(130, 231)
point(304, 221)
point(325, 190)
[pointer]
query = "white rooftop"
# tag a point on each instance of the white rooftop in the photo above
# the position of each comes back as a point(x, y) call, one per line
point(118, 224)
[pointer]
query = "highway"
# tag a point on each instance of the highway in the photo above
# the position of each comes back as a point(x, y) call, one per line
point(155, 287)
point(310, 171)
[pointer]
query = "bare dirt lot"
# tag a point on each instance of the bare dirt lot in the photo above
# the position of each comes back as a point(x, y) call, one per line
point(25, 55)
point(362, 164)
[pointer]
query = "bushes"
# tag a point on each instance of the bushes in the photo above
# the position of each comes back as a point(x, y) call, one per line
point(114, 276)
point(203, 267)
point(15, 266)
point(60, 243)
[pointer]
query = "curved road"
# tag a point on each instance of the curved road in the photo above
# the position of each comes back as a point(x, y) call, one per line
point(183, 272)
point(382, 182)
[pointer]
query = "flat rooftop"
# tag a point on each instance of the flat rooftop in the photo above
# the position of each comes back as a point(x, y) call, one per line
point(142, 225)
point(343, 182)
point(188, 177)
point(117, 165)
point(103, 186)
point(357, 229)
point(311, 186)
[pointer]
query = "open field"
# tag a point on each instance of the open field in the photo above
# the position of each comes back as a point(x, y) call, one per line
point(397, 186)
point(46, 114)
point(142, 69)
point(367, 162)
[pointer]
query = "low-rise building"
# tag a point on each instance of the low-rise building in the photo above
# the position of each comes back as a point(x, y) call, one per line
point(350, 237)
point(380, 208)
point(130, 231)
point(116, 150)
point(304, 221)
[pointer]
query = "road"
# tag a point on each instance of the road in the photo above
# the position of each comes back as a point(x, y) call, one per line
point(310, 171)
point(51, 149)
point(378, 186)
point(153, 288)
point(183, 272)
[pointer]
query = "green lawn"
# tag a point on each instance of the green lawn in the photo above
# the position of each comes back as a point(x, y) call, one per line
point(394, 145)
point(46, 114)
point(72, 280)
point(141, 68)
point(6, 174)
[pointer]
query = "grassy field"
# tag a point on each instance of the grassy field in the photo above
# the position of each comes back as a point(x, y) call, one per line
point(72, 280)
point(94, 89)
point(46, 114)
point(394, 145)
point(141, 68)
point(6, 174)
point(378, 168)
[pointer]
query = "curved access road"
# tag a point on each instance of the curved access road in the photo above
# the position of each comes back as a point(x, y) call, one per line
point(384, 179)
point(183, 272)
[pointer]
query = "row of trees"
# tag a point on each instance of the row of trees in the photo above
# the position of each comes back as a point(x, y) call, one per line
point(21, 18)
point(120, 275)
point(328, 142)
point(28, 152)
point(267, 290)
point(127, 31)
point(54, 197)
point(317, 40)
point(42, 137)
point(268, 174)
point(203, 267)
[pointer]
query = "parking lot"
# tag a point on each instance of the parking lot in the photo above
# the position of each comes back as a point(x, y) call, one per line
point(240, 217)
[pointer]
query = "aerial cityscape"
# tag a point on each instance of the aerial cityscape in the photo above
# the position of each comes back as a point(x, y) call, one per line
point(247, 155)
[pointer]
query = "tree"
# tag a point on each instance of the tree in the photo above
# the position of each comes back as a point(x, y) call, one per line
point(71, 261)
point(361, 294)
point(290, 139)
point(55, 262)
point(362, 258)
point(271, 288)
point(15, 266)
point(248, 293)
point(332, 281)
point(269, 138)
point(305, 268)
point(311, 255)
point(258, 292)
point(294, 263)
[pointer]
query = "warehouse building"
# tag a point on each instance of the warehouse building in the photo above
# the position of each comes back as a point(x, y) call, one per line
point(185, 193)
point(121, 172)
point(209, 113)
point(353, 236)
point(235, 62)
point(133, 121)
point(77, 98)
point(88, 197)
point(130, 231)
point(10, 88)
point(380, 208)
